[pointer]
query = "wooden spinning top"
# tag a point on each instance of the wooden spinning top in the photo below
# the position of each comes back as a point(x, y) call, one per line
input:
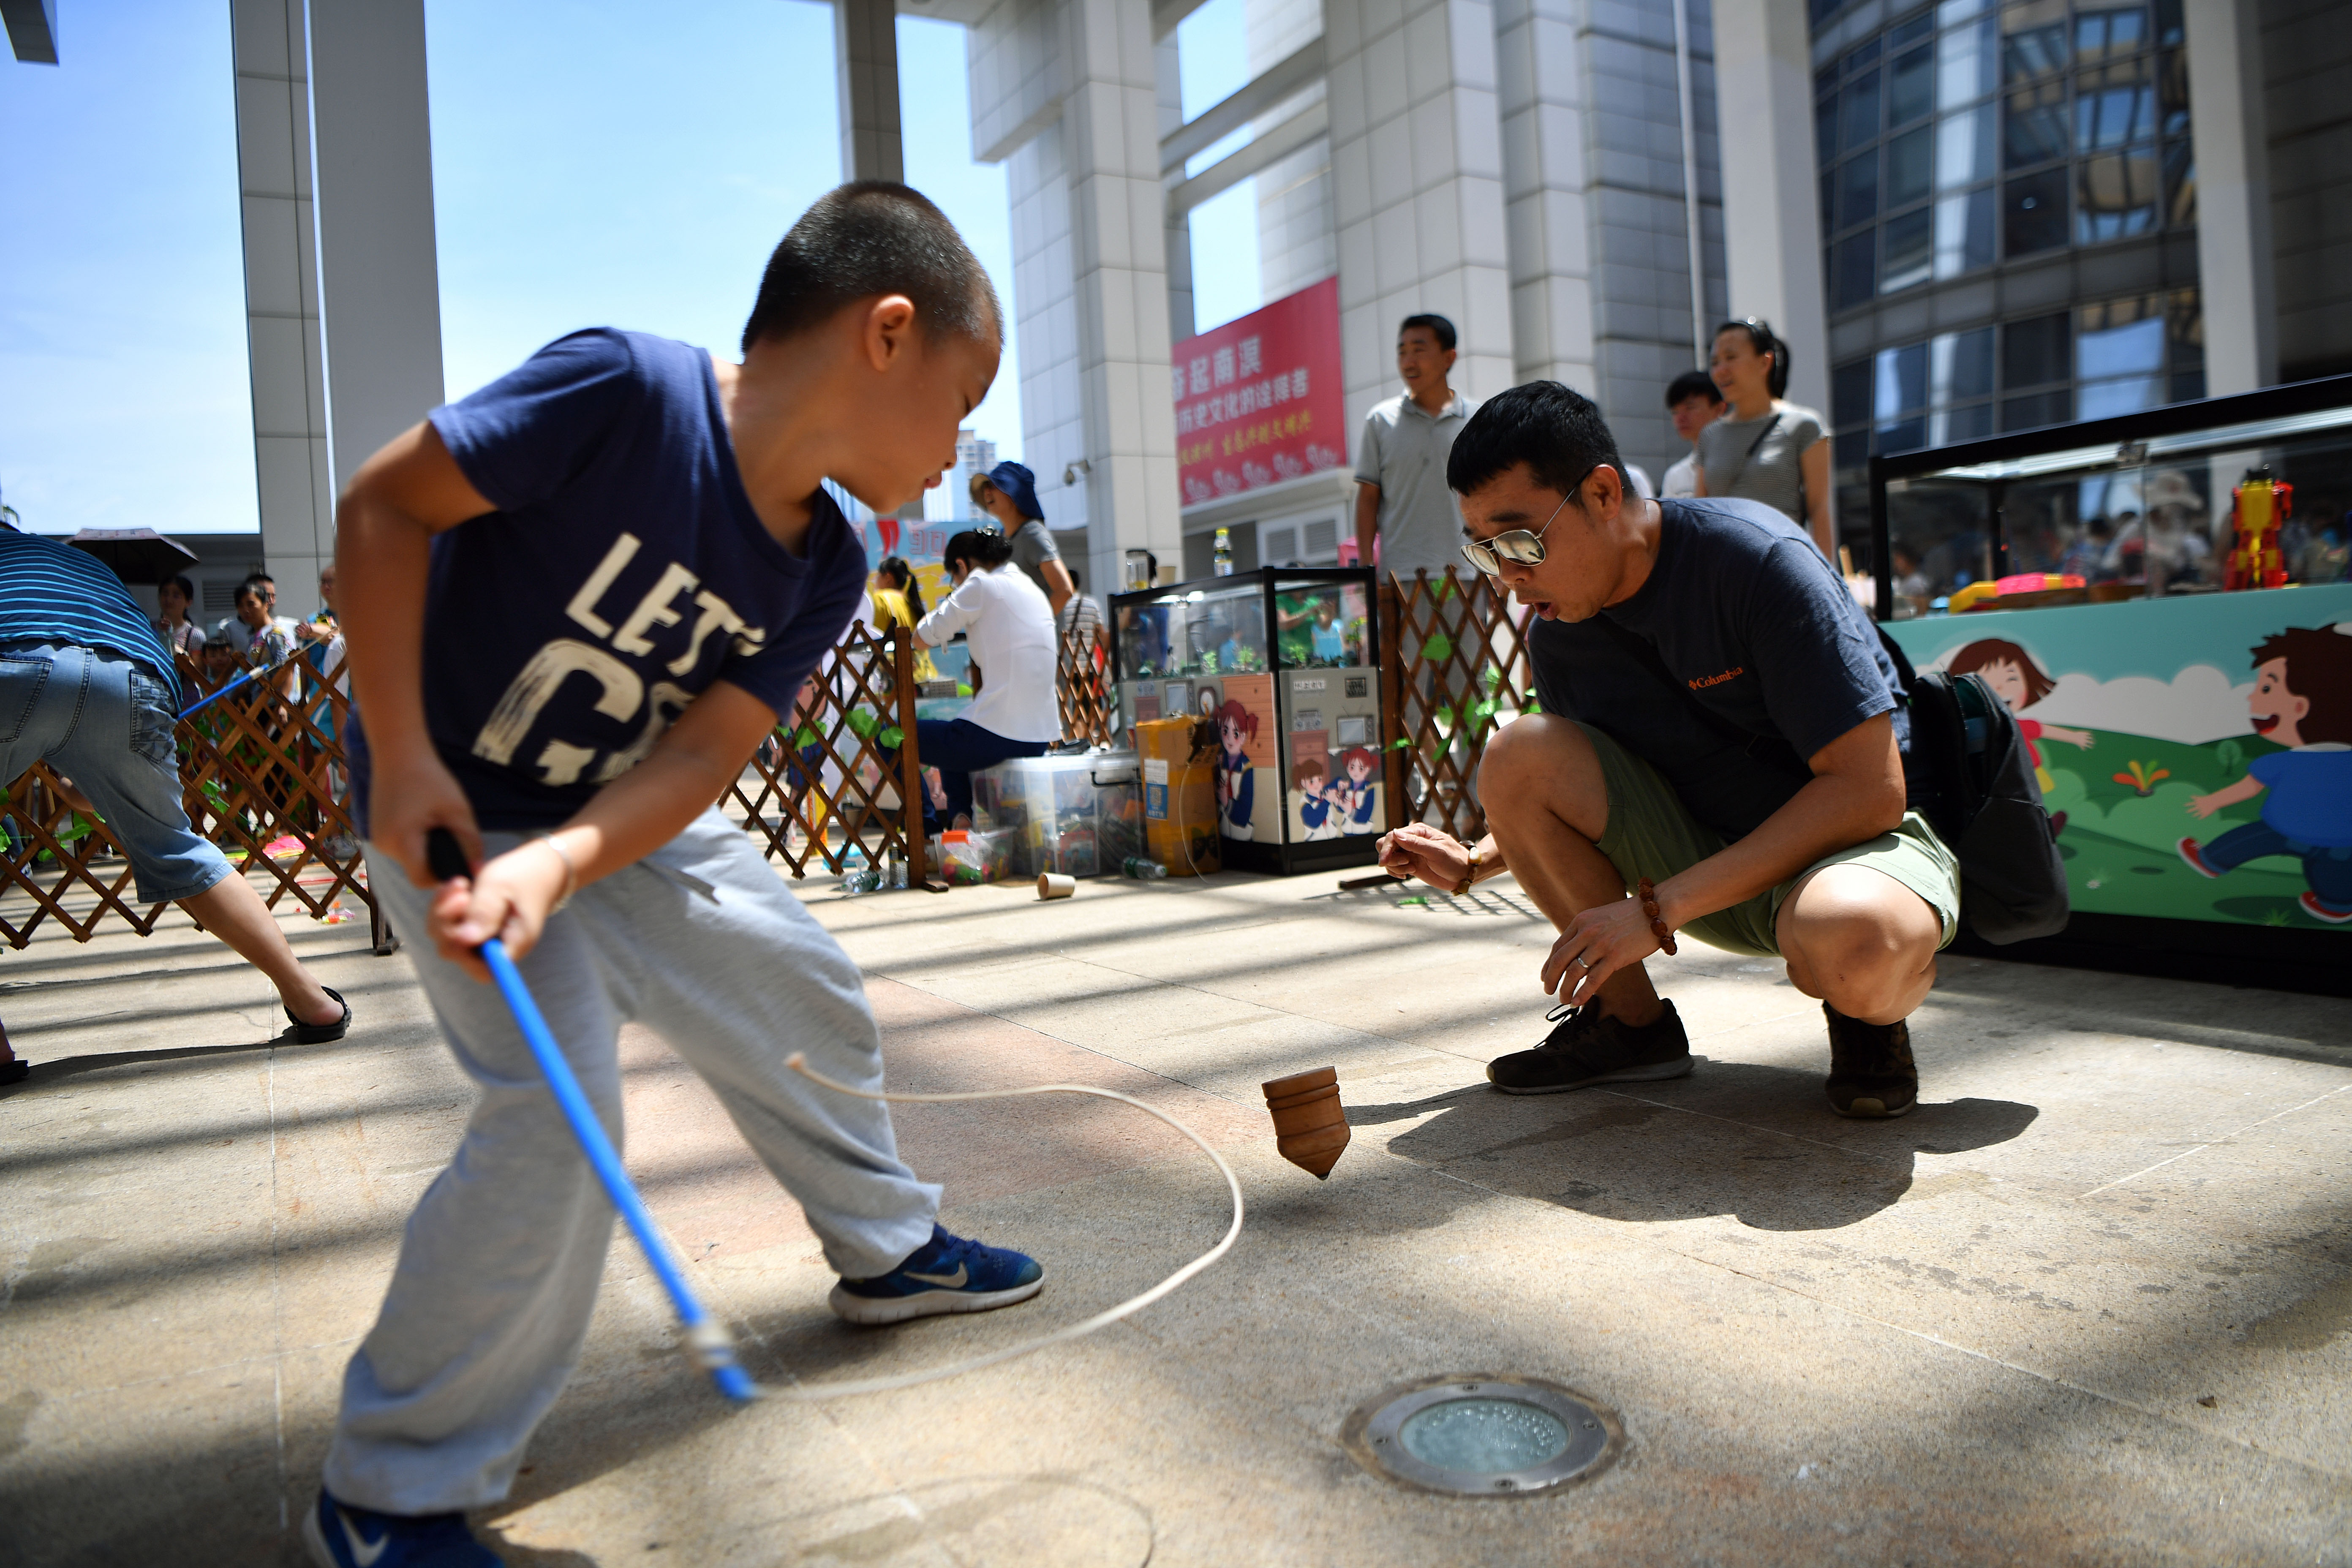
point(1310, 1124)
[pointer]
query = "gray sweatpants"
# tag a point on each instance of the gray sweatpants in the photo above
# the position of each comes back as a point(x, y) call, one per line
point(490, 1304)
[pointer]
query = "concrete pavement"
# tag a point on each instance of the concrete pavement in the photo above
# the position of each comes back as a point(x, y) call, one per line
point(2088, 1304)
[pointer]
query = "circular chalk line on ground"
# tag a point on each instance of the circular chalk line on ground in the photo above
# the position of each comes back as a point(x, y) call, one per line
point(1133, 1304)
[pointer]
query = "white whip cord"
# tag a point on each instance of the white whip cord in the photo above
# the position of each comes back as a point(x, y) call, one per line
point(1127, 1308)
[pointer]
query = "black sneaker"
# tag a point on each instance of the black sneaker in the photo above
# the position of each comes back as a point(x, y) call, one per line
point(1871, 1071)
point(1590, 1046)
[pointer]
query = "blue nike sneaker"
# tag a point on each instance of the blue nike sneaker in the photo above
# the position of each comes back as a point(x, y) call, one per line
point(343, 1536)
point(946, 1274)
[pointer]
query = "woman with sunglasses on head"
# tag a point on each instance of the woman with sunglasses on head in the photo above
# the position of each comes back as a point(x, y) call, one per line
point(1764, 447)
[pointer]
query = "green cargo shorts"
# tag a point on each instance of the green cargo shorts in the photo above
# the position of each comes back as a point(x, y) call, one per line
point(1653, 833)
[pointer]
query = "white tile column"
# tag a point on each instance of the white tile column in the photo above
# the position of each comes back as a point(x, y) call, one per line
point(1546, 172)
point(1772, 205)
point(379, 279)
point(294, 482)
point(1119, 259)
point(865, 57)
point(2228, 120)
point(1417, 188)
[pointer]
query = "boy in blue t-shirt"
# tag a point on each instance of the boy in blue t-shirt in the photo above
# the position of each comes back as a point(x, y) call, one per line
point(2303, 700)
point(576, 602)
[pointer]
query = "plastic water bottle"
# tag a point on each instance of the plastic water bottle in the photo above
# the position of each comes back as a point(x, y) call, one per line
point(1223, 565)
point(856, 876)
point(1143, 868)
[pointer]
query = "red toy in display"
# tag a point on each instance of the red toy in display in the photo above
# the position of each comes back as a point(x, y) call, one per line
point(2260, 508)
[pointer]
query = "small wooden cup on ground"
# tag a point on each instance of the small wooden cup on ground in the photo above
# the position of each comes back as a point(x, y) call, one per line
point(1310, 1124)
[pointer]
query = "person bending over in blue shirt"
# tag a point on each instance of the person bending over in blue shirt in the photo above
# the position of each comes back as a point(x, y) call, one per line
point(1719, 719)
point(579, 599)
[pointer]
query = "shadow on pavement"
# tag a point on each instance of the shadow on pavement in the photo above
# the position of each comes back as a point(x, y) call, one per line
point(1753, 1141)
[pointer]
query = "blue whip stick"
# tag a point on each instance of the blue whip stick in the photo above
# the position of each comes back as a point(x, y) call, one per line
point(707, 1340)
point(248, 677)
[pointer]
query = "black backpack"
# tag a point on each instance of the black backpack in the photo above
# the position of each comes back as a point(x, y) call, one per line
point(1973, 781)
point(1970, 777)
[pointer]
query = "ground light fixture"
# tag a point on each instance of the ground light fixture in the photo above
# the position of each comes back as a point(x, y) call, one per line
point(1482, 1435)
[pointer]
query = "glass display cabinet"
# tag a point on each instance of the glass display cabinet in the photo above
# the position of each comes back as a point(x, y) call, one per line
point(2162, 601)
point(1282, 663)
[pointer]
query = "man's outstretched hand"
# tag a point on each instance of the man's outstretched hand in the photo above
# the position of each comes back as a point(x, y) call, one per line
point(1417, 849)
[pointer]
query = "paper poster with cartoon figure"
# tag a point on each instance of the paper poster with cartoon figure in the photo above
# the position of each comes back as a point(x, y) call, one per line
point(1315, 809)
point(2195, 754)
point(1243, 707)
point(1357, 789)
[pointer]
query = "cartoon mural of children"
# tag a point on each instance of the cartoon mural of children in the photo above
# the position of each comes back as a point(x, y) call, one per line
point(1311, 777)
point(2303, 700)
point(1360, 796)
point(2021, 683)
point(1236, 778)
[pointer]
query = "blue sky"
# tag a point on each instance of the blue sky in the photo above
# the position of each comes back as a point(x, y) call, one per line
point(602, 171)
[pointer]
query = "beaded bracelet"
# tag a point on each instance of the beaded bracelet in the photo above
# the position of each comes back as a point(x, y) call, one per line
point(1657, 921)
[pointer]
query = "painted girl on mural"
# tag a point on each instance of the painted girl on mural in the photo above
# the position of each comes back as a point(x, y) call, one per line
point(2021, 683)
point(1236, 779)
point(1359, 794)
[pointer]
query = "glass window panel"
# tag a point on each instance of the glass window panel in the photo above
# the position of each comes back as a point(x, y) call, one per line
point(1966, 64)
point(1918, 27)
point(1899, 382)
point(2116, 195)
point(1858, 111)
point(2172, 92)
point(1904, 434)
point(1963, 233)
point(2184, 331)
point(2123, 348)
point(1910, 251)
point(2114, 106)
point(2034, 216)
point(1911, 87)
point(1861, 54)
point(2038, 350)
point(1970, 422)
point(1854, 266)
point(2180, 184)
point(1964, 147)
point(2167, 21)
point(1829, 205)
point(1825, 128)
point(1853, 449)
point(1858, 190)
point(2036, 125)
point(2035, 42)
point(1850, 387)
point(1960, 366)
point(1910, 158)
point(2041, 408)
point(2105, 399)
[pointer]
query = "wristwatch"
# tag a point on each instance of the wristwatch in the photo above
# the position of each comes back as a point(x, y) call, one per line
point(1470, 875)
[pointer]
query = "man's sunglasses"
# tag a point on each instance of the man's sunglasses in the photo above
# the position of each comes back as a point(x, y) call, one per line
point(1518, 545)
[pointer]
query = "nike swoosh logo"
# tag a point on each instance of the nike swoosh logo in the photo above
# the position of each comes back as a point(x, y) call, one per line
point(954, 1281)
point(363, 1554)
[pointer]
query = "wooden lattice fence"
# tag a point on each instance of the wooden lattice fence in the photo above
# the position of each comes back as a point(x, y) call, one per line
point(842, 768)
point(1081, 682)
point(1454, 670)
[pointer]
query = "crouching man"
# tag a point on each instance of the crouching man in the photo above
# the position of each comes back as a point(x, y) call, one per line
point(1720, 722)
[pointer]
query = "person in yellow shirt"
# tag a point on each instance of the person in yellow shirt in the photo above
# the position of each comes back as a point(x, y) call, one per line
point(898, 602)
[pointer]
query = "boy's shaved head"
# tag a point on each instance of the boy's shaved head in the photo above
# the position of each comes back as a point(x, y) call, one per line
point(871, 237)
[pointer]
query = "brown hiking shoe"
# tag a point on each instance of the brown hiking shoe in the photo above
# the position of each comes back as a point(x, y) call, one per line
point(1588, 1047)
point(1871, 1071)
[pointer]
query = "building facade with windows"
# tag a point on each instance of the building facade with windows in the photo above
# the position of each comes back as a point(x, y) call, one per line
point(2038, 212)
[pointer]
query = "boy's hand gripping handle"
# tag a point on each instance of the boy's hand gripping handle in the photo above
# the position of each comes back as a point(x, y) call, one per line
point(706, 1338)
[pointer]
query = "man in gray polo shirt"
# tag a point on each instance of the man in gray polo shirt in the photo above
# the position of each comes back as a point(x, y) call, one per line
point(1400, 493)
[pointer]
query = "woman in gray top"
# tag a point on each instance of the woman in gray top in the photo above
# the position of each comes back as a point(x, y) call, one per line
point(1763, 449)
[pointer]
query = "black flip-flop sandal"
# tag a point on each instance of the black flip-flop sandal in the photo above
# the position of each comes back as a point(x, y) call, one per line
point(320, 1034)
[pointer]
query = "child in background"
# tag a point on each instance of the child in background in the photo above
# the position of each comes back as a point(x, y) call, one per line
point(2303, 700)
point(581, 598)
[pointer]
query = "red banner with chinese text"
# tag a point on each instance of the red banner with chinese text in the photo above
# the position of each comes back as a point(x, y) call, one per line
point(1259, 400)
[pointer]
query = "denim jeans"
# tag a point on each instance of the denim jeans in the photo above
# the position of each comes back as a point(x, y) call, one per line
point(2328, 869)
point(106, 724)
point(958, 748)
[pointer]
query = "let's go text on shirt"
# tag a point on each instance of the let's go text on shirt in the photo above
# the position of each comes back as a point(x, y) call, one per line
point(624, 571)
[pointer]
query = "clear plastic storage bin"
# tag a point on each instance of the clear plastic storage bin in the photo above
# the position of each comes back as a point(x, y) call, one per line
point(1080, 816)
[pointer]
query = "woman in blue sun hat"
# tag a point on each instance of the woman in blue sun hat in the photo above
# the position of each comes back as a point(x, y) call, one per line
point(1008, 492)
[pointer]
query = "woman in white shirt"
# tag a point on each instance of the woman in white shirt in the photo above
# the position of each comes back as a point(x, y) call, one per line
point(1008, 628)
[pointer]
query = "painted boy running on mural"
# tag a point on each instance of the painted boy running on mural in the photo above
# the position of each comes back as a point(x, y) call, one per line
point(2303, 700)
